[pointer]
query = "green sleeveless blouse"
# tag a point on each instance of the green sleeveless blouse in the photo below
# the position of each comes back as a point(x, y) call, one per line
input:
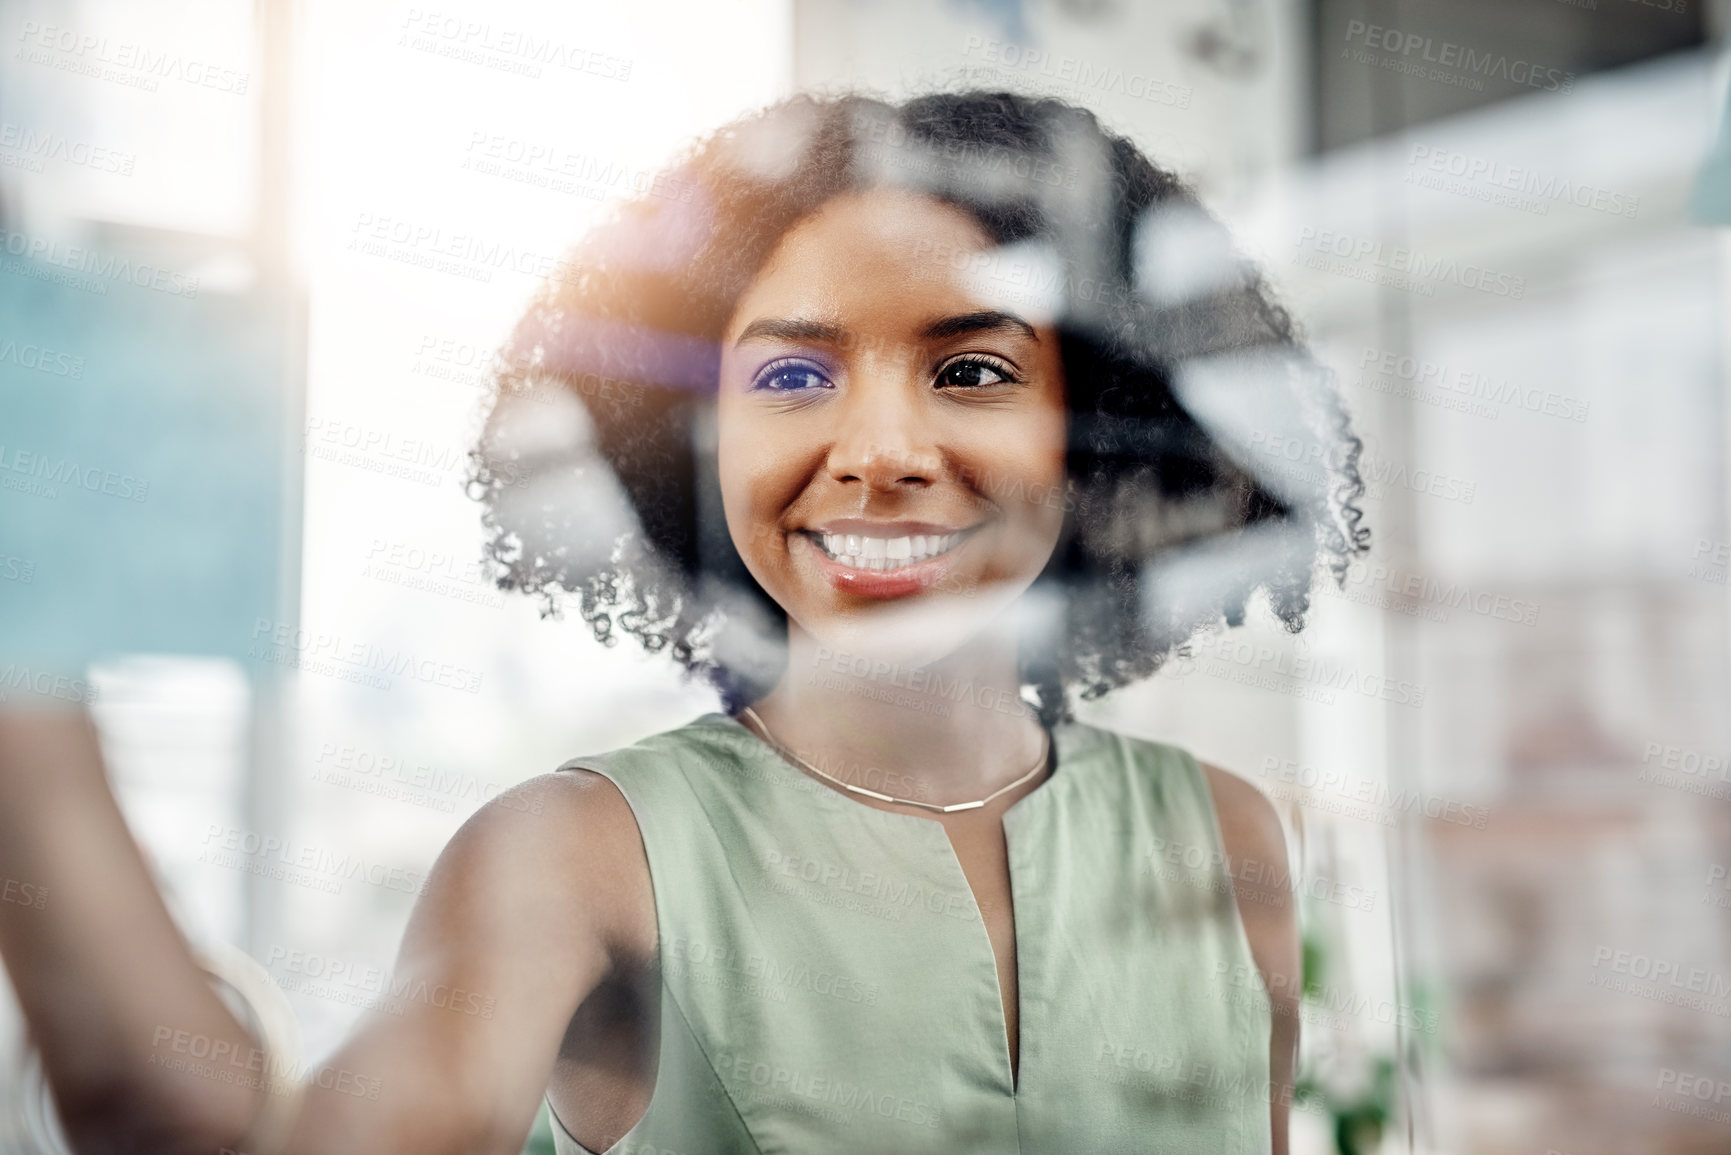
point(828, 987)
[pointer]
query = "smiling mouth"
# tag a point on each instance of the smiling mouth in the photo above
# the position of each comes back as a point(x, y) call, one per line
point(858, 551)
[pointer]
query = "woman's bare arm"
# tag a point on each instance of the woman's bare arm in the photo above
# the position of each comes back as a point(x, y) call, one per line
point(1251, 833)
point(99, 968)
point(534, 901)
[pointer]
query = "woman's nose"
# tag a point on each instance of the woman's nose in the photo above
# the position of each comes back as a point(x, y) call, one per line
point(883, 435)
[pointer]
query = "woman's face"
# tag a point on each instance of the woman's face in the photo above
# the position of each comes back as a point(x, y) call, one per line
point(891, 442)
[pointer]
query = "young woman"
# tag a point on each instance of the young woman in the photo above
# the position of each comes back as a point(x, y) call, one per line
point(921, 422)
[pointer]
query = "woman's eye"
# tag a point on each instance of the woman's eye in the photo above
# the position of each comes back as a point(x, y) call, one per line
point(790, 377)
point(973, 374)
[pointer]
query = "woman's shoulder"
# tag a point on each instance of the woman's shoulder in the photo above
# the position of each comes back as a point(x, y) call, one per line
point(1250, 827)
point(566, 844)
point(1254, 858)
point(702, 738)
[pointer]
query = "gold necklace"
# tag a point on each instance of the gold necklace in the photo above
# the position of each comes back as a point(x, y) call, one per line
point(762, 729)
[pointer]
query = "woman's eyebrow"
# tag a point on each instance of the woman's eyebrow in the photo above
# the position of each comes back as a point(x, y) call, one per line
point(790, 329)
point(824, 332)
point(984, 321)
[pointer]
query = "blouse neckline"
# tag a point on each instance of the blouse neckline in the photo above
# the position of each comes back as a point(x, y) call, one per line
point(1063, 751)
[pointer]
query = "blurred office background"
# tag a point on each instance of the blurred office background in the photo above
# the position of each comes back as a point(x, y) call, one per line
point(258, 255)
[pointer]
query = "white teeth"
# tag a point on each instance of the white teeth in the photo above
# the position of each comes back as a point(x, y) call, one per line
point(885, 553)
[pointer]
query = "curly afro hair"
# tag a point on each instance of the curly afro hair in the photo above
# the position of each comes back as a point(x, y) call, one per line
point(1209, 454)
